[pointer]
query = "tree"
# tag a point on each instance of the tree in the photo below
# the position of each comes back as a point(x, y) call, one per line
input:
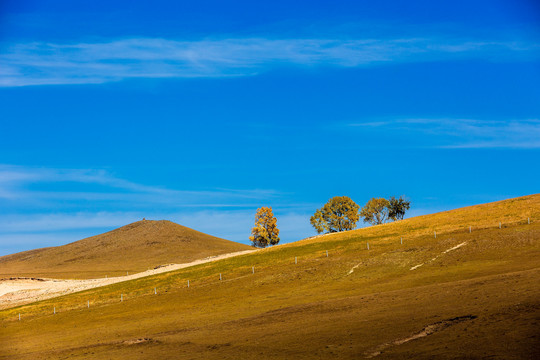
point(375, 211)
point(318, 222)
point(265, 232)
point(340, 213)
point(398, 207)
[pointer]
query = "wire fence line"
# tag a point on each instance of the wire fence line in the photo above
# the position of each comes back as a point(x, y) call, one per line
point(154, 290)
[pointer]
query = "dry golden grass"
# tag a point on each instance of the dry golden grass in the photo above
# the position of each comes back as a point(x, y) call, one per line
point(480, 300)
point(132, 248)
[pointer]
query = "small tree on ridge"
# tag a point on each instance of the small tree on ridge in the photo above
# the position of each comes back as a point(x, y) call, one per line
point(375, 211)
point(398, 207)
point(265, 231)
point(340, 213)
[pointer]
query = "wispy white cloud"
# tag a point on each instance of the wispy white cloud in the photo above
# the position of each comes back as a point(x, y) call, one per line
point(29, 187)
point(17, 175)
point(93, 63)
point(523, 134)
point(37, 211)
point(464, 133)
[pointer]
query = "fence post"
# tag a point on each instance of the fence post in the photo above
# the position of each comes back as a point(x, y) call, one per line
point(401, 240)
point(253, 269)
point(88, 304)
point(528, 220)
point(435, 234)
point(367, 246)
point(219, 276)
point(326, 253)
point(54, 310)
point(470, 229)
point(188, 283)
point(121, 297)
point(155, 291)
point(499, 224)
point(295, 260)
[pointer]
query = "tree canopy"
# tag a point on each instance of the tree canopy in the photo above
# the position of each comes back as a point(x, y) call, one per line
point(265, 231)
point(340, 213)
point(375, 211)
point(398, 207)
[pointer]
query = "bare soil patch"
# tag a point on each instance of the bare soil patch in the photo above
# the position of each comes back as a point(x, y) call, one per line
point(428, 330)
point(15, 291)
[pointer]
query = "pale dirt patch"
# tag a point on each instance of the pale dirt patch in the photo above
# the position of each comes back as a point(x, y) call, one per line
point(428, 330)
point(136, 341)
point(353, 268)
point(19, 291)
point(416, 266)
point(436, 257)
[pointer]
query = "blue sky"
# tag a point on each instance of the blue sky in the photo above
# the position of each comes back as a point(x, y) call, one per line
point(200, 112)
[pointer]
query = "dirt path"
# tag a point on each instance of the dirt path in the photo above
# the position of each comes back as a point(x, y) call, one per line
point(436, 257)
point(353, 268)
point(19, 291)
point(428, 330)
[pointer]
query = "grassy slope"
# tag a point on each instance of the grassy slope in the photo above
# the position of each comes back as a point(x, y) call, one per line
point(134, 247)
point(314, 309)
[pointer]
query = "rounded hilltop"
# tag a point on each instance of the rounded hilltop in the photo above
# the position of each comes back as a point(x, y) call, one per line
point(134, 247)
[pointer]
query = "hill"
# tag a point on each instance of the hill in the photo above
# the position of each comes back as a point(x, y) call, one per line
point(470, 292)
point(132, 248)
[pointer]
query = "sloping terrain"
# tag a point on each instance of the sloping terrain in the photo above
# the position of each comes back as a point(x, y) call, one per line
point(475, 295)
point(19, 291)
point(136, 247)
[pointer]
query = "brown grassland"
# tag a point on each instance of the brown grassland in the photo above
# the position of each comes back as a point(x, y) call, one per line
point(133, 248)
point(476, 296)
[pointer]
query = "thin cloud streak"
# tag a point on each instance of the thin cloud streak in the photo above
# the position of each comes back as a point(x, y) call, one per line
point(467, 133)
point(35, 207)
point(18, 184)
point(95, 63)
